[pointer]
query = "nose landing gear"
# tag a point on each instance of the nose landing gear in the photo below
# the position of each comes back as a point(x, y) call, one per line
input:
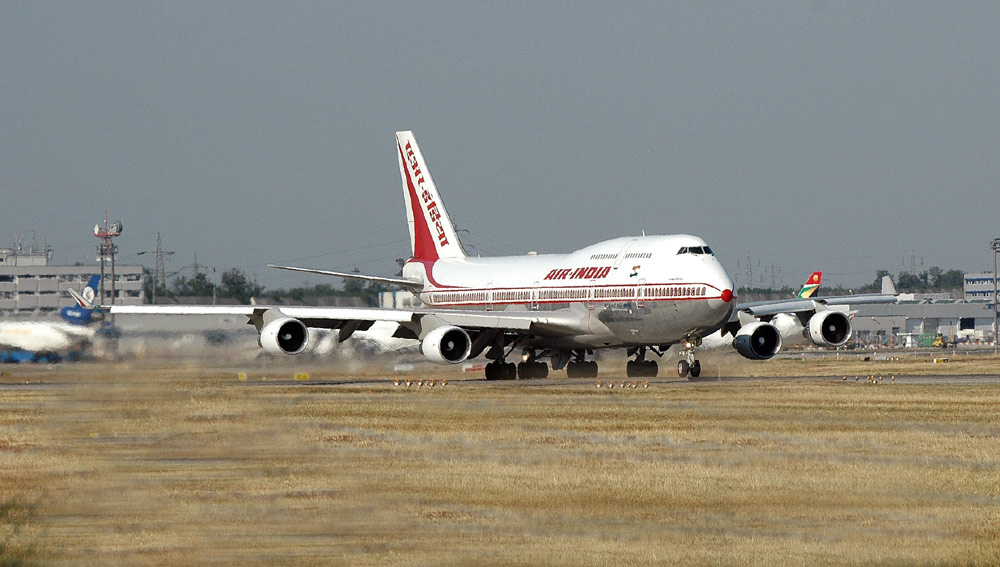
point(689, 365)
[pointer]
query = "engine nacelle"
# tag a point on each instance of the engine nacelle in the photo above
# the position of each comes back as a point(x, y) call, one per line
point(284, 336)
point(830, 328)
point(446, 344)
point(758, 341)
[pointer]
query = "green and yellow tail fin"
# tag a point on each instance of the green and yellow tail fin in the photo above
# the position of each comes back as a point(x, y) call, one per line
point(811, 285)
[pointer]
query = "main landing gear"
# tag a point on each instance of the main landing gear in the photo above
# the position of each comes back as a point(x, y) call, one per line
point(690, 365)
point(501, 370)
point(532, 368)
point(579, 367)
point(528, 369)
point(640, 367)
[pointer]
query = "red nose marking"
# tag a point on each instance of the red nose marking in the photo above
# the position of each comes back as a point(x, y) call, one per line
point(727, 295)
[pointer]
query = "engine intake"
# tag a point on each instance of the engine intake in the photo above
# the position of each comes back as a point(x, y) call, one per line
point(446, 344)
point(284, 336)
point(758, 341)
point(830, 328)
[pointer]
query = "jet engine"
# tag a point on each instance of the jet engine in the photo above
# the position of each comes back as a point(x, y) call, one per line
point(446, 344)
point(758, 341)
point(829, 328)
point(284, 336)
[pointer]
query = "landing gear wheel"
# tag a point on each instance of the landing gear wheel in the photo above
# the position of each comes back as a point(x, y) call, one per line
point(581, 370)
point(682, 368)
point(696, 369)
point(528, 370)
point(510, 371)
point(501, 371)
point(494, 370)
point(641, 369)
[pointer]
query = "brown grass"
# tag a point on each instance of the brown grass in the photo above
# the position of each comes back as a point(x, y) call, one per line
point(181, 465)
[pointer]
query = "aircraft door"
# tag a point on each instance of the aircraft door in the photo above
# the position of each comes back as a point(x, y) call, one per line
point(640, 292)
point(590, 294)
point(622, 252)
point(489, 296)
point(534, 297)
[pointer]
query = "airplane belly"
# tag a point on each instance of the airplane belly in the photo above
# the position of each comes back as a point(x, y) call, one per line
point(660, 322)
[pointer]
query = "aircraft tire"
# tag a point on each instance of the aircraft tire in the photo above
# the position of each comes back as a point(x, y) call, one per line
point(641, 369)
point(581, 370)
point(683, 368)
point(541, 370)
point(573, 370)
point(696, 369)
point(529, 370)
point(494, 371)
point(509, 371)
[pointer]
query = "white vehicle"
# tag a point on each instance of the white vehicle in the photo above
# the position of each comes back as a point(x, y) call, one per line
point(641, 293)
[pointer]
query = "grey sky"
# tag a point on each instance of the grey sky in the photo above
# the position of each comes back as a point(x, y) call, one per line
point(812, 135)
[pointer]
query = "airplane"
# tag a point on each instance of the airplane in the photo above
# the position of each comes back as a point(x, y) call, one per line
point(792, 325)
point(719, 339)
point(42, 340)
point(641, 293)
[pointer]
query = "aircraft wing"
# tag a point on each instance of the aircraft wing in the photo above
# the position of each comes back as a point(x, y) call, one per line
point(350, 319)
point(765, 309)
point(402, 282)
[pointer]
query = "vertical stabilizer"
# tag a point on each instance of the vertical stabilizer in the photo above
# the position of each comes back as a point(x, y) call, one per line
point(811, 285)
point(887, 286)
point(432, 236)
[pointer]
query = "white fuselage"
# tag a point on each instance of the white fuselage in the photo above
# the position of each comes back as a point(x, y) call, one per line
point(649, 290)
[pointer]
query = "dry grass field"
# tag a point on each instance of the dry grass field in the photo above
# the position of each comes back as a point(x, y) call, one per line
point(183, 464)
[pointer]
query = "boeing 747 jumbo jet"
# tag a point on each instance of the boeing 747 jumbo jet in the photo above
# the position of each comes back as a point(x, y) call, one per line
point(640, 293)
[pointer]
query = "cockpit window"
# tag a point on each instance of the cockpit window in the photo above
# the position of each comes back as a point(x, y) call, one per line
point(695, 250)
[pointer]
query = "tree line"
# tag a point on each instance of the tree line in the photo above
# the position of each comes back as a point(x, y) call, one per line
point(234, 284)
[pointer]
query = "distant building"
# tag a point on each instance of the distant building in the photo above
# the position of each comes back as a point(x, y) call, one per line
point(907, 324)
point(979, 287)
point(30, 287)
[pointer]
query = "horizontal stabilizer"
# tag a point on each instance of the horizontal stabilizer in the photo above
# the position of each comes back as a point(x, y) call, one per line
point(402, 282)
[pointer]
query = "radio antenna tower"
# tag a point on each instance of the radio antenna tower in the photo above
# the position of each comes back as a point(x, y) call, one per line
point(107, 250)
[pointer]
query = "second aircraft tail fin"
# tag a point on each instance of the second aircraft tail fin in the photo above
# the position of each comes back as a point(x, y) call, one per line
point(811, 285)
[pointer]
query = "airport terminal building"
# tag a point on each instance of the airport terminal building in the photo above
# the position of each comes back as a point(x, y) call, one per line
point(919, 324)
point(31, 287)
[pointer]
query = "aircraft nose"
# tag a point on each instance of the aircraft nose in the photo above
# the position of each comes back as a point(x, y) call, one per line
point(726, 290)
